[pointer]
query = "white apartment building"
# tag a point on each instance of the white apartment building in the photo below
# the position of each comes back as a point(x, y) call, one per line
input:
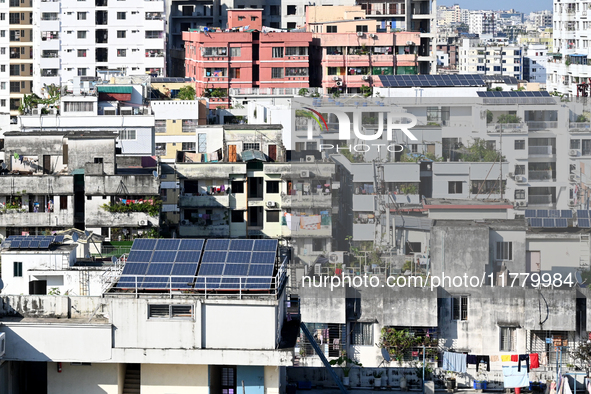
point(81, 38)
point(569, 67)
point(542, 18)
point(535, 62)
point(449, 15)
point(482, 22)
point(4, 67)
point(476, 58)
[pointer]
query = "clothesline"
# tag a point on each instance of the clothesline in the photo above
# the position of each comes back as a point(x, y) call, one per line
point(458, 362)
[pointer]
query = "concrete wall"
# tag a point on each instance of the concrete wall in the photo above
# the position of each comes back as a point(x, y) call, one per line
point(82, 151)
point(96, 378)
point(179, 379)
point(143, 185)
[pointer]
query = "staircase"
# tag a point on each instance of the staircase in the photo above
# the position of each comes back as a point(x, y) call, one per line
point(132, 379)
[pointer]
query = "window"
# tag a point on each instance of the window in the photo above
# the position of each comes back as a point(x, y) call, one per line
point(273, 216)
point(237, 187)
point(98, 160)
point(520, 194)
point(158, 311)
point(15, 69)
point(18, 269)
point(121, 52)
point(15, 87)
point(160, 149)
point(216, 72)
point(228, 380)
point(504, 250)
point(81, 34)
point(277, 73)
point(520, 169)
point(433, 114)
point(121, 15)
point(519, 144)
point(63, 203)
point(507, 340)
point(127, 135)
point(81, 16)
point(251, 146)
point(3, 103)
point(361, 28)
point(202, 143)
point(188, 146)
point(277, 52)
point(454, 187)
point(296, 72)
point(153, 34)
point(362, 334)
point(459, 308)
point(81, 72)
point(122, 34)
point(253, 18)
point(272, 186)
point(296, 51)
point(331, 29)
point(214, 51)
point(235, 52)
point(274, 10)
point(575, 144)
point(291, 25)
point(240, 18)
point(234, 73)
point(237, 216)
point(488, 186)
point(81, 52)
point(78, 106)
point(291, 10)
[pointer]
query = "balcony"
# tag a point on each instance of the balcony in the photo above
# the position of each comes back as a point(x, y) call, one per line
point(14, 218)
point(519, 128)
point(541, 175)
point(301, 201)
point(322, 232)
point(579, 127)
point(37, 184)
point(540, 151)
point(204, 231)
point(216, 201)
point(542, 125)
point(138, 185)
point(102, 218)
point(545, 200)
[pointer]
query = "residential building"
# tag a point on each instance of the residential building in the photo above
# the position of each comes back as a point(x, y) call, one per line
point(568, 72)
point(535, 60)
point(122, 37)
point(542, 19)
point(476, 58)
point(483, 22)
point(219, 61)
point(19, 34)
point(449, 15)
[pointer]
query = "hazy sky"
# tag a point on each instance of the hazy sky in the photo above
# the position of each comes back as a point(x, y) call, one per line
point(519, 5)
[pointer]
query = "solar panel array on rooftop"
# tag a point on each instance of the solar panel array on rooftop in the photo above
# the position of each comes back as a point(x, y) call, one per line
point(31, 242)
point(150, 257)
point(395, 81)
point(495, 94)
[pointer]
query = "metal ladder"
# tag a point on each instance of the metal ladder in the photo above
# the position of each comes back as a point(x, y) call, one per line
point(584, 252)
point(84, 285)
point(322, 357)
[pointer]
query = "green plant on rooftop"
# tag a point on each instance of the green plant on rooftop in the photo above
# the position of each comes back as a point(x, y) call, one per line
point(187, 93)
point(508, 118)
point(151, 206)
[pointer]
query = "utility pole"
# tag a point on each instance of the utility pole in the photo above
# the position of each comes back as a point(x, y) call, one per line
point(501, 161)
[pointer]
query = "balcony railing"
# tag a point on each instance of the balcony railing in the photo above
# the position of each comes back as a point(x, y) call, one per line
point(579, 126)
point(542, 125)
point(540, 175)
point(507, 128)
point(542, 199)
point(540, 150)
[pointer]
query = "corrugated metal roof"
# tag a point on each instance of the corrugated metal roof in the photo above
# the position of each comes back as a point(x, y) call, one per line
point(412, 222)
point(249, 155)
point(115, 89)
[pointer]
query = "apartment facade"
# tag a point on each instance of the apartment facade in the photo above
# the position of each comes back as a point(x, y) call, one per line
point(535, 63)
point(482, 22)
point(476, 58)
point(78, 39)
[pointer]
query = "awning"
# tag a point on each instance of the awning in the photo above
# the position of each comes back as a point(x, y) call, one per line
point(248, 155)
point(115, 89)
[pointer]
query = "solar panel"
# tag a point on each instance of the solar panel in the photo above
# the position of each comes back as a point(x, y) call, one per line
point(187, 257)
point(191, 244)
point(44, 244)
point(58, 239)
point(163, 256)
point(510, 94)
point(260, 270)
point(553, 213)
point(241, 244)
point(582, 214)
point(431, 80)
point(211, 269)
point(561, 223)
point(168, 244)
point(536, 222)
point(542, 213)
point(144, 244)
point(236, 269)
point(141, 256)
point(548, 223)
point(566, 213)
point(214, 257)
point(203, 283)
point(217, 244)
point(25, 244)
point(34, 245)
point(265, 245)
point(15, 244)
point(238, 257)
point(530, 213)
point(263, 258)
point(583, 223)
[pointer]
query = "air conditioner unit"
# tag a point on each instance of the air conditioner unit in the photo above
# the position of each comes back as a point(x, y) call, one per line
point(143, 223)
point(510, 175)
point(335, 78)
point(52, 111)
point(305, 174)
point(336, 257)
point(110, 112)
point(365, 77)
point(360, 34)
point(520, 179)
point(310, 158)
point(523, 203)
point(271, 204)
point(572, 177)
point(373, 36)
point(573, 152)
point(35, 111)
point(339, 83)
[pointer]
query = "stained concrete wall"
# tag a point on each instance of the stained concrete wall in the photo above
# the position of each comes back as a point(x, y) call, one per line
point(96, 378)
point(179, 379)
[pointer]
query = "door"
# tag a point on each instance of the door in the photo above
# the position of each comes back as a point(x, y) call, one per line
point(232, 153)
point(46, 164)
point(533, 262)
point(273, 152)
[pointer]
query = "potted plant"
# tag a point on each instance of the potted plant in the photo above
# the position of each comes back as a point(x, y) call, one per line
point(480, 381)
point(377, 379)
point(345, 363)
point(451, 381)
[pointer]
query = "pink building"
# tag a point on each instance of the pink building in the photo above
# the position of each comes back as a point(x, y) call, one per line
point(249, 18)
point(249, 59)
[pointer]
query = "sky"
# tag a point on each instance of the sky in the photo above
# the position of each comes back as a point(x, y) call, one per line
point(525, 6)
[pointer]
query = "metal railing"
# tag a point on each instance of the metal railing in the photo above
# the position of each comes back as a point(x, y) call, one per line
point(580, 125)
point(542, 125)
point(540, 150)
point(271, 91)
point(541, 199)
point(540, 175)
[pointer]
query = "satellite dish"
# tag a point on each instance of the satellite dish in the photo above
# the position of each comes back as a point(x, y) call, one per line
point(155, 173)
point(3, 166)
point(75, 237)
point(386, 355)
point(114, 259)
point(87, 234)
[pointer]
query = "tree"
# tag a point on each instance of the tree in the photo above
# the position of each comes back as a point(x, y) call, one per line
point(366, 90)
point(508, 118)
point(489, 116)
point(187, 93)
point(583, 354)
point(397, 342)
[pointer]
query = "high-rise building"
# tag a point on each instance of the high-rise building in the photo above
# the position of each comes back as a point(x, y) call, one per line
point(482, 22)
point(568, 70)
point(479, 58)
